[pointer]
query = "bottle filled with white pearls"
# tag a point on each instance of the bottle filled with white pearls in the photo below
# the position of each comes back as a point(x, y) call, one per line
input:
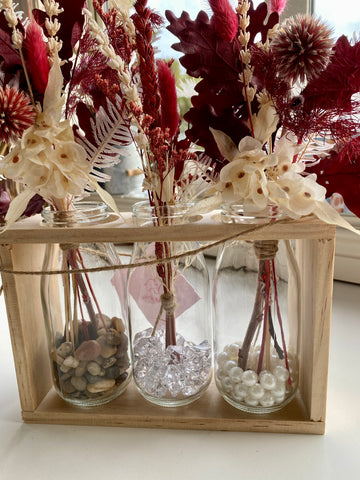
point(256, 297)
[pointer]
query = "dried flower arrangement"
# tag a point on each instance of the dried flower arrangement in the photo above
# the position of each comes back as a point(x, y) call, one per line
point(262, 106)
point(275, 111)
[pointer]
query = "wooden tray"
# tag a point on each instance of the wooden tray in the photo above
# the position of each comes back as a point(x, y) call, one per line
point(22, 248)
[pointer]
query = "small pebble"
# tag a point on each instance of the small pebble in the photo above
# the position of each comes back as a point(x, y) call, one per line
point(80, 383)
point(67, 387)
point(101, 386)
point(109, 362)
point(103, 319)
point(92, 378)
point(113, 372)
point(123, 362)
point(81, 369)
point(70, 361)
point(65, 349)
point(88, 350)
point(95, 369)
point(106, 349)
point(65, 369)
point(118, 324)
point(113, 337)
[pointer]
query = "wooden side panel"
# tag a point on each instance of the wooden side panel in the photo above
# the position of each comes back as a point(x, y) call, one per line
point(22, 297)
point(316, 258)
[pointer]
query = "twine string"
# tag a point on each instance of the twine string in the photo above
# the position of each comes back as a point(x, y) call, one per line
point(147, 263)
point(266, 249)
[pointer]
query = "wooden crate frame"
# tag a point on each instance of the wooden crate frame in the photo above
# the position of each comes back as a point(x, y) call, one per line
point(22, 248)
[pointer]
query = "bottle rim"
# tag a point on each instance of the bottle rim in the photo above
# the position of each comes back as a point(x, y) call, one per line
point(143, 210)
point(242, 213)
point(83, 212)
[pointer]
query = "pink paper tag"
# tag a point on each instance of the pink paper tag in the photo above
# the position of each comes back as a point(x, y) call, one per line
point(146, 291)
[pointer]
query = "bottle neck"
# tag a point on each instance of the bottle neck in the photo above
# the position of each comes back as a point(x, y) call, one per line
point(238, 213)
point(82, 213)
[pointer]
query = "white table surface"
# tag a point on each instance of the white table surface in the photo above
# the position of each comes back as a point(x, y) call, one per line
point(92, 453)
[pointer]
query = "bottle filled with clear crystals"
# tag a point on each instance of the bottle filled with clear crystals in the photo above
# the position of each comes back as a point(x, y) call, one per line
point(169, 314)
point(256, 294)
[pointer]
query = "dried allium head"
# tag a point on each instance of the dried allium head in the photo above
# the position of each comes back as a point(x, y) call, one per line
point(16, 114)
point(302, 47)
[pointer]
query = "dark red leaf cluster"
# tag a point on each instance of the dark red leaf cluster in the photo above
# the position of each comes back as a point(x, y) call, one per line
point(219, 102)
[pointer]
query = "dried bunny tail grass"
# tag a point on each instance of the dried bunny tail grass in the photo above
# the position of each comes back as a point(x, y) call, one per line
point(35, 50)
point(225, 19)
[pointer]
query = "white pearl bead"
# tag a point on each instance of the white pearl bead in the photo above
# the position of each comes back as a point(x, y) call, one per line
point(256, 391)
point(226, 384)
point(279, 389)
point(253, 402)
point(229, 365)
point(281, 373)
point(232, 351)
point(249, 378)
point(236, 374)
point(279, 399)
point(222, 358)
point(268, 381)
point(267, 400)
point(239, 392)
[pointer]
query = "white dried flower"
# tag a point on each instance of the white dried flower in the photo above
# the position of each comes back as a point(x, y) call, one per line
point(17, 38)
point(52, 8)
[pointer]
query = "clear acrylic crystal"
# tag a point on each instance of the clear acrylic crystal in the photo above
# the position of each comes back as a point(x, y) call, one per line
point(179, 371)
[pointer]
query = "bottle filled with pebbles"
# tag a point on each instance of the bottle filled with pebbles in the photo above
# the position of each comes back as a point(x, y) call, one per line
point(257, 310)
point(87, 336)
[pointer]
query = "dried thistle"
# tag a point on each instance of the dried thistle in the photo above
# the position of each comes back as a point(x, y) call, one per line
point(302, 48)
point(17, 114)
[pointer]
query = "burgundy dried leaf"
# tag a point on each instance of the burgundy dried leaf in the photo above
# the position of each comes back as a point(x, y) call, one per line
point(220, 102)
point(11, 61)
point(338, 82)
